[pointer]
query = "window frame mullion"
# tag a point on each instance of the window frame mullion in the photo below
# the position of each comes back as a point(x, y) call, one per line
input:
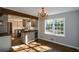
point(53, 26)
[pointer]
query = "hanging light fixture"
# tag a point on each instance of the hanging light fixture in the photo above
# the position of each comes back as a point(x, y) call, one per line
point(42, 13)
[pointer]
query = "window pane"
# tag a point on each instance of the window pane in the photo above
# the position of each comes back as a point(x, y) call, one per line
point(59, 26)
point(55, 26)
point(49, 25)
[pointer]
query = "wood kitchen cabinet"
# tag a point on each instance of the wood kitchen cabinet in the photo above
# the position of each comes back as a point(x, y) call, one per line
point(30, 23)
point(34, 22)
point(28, 37)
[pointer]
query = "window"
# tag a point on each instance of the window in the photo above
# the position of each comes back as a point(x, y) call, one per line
point(55, 26)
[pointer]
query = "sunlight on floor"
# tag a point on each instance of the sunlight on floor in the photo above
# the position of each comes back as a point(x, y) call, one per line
point(32, 47)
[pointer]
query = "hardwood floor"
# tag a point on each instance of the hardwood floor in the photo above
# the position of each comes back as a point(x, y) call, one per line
point(38, 46)
point(16, 41)
point(57, 47)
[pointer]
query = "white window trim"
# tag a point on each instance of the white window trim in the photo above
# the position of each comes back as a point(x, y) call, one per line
point(54, 28)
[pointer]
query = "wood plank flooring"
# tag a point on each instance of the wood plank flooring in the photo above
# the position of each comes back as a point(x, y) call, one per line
point(39, 46)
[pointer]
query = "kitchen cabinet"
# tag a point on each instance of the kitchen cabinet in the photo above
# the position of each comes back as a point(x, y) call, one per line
point(34, 22)
point(28, 37)
point(5, 43)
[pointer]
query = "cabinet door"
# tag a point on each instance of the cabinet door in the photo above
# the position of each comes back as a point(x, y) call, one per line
point(31, 36)
point(34, 22)
point(24, 22)
point(5, 43)
point(24, 38)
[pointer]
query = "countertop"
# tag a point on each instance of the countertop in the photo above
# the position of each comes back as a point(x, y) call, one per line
point(29, 31)
point(4, 34)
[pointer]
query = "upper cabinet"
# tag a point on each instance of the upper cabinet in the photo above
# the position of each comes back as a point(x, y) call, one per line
point(3, 25)
point(30, 23)
point(34, 22)
point(27, 23)
point(19, 20)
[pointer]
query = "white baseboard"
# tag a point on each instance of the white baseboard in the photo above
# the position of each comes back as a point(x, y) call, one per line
point(62, 44)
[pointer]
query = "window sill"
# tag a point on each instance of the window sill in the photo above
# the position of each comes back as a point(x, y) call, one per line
point(54, 34)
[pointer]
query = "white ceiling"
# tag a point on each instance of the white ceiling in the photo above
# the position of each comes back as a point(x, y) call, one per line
point(50, 10)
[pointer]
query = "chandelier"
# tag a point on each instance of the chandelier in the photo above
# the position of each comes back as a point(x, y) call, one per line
point(42, 13)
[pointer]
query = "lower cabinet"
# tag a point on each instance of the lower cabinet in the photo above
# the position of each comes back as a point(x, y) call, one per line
point(28, 37)
point(5, 43)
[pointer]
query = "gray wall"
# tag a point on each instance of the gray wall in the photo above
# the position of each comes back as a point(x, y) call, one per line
point(71, 38)
point(3, 27)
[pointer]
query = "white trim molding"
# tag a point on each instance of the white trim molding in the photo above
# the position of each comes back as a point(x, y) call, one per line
point(61, 44)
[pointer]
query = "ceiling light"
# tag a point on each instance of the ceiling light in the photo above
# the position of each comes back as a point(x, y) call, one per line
point(42, 13)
